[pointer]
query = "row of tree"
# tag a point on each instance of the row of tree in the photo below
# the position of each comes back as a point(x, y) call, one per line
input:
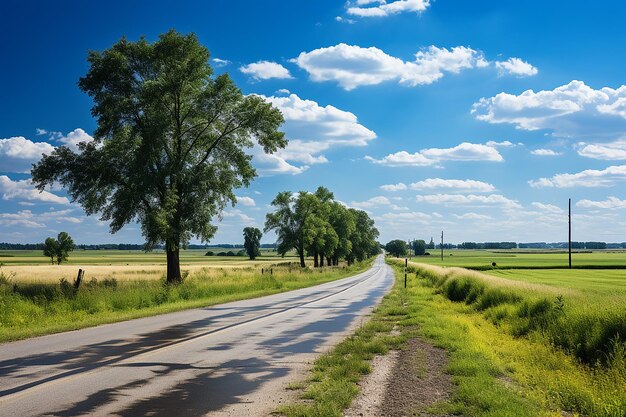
point(316, 224)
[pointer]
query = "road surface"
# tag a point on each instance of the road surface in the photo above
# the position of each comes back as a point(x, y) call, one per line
point(232, 359)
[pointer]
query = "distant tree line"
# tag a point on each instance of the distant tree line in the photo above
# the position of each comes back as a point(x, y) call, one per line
point(315, 224)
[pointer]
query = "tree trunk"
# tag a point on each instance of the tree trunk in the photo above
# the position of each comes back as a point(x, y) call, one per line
point(328, 261)
point(301, 254)
point(316, 261)
point(321, 260)
point(173, 264)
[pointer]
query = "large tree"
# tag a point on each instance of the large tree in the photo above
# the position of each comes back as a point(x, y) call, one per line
point(170, 143)
point(252, 241)
point(396, 248)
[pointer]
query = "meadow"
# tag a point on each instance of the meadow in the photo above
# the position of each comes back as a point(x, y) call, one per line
point(46, 301)
point(32, 266)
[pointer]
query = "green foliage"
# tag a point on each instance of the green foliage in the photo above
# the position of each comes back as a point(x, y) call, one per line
point(170, 143)
point(58, 248)
point(396, 248)
point(252, 241)
point(419, 247)
point(318, 225)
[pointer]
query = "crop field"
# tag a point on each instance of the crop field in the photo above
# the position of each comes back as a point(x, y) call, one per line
point(32, 266)
point(557, 334)
point(483, 259)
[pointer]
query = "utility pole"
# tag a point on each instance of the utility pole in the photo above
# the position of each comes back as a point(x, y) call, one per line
point(442, 246)
point(569, 240)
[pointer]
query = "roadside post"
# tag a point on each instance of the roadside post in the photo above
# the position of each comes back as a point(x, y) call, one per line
point(406, 265)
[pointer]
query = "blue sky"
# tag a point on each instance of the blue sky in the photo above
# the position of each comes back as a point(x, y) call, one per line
point(477, 118)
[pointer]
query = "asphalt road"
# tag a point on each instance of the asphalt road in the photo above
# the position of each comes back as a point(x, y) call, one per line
point(232, 359)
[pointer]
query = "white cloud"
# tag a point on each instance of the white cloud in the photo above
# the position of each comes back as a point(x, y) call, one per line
point(472, 216)
point(469, 200)
point(461, 185)
point(313, 129)
point(572, 110)
point(545, 152)
point(433, 156)
point(372, 202)
point(588, 178)
point(75, 137)
point(345, 20)
point(503, 144)
point(605, 151)
point(237, 215)
point(17, 154)
point(381, 8)
point(23, 218)
point(608, 204)
point(517, 67)
point(283, 91)
point(25, 190)
point(394, 187)
point(220, 62)
point(550, 208)
point(265, 70)
point(352, 66)
point(27, 218)
point(246, 201)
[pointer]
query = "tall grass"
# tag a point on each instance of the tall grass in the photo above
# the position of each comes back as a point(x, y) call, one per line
point(595, 334)
point(28, 309)
point(559, 353)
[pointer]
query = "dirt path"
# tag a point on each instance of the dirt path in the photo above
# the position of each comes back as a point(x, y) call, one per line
point(404, 383)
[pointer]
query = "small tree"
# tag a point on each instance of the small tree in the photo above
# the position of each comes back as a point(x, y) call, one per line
point(396, 247)
point(252, 241)
point(50, 248)
point(419, 247)
point(58, 248)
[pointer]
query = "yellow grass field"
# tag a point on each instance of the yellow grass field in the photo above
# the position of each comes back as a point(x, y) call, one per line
point(31, 266)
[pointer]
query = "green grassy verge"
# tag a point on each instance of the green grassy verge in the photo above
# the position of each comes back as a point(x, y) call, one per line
point(32, 309)
point(518, 351)
point(495, 372)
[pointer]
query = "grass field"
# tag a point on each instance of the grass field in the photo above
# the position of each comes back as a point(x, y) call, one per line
point(32, 266)
point(558, 334)
point(525, 259)
point(33, 300)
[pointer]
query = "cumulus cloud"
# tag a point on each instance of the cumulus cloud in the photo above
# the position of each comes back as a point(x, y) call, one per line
point(73, 138)
point(312, 129)
point(17, 154)
point(394, 187)
point(461, 185)
point(517, 67)
point(607, 177)
point(237, 215)
point(246, 201)
point(434, 156)
point(608, 204)
point(503, 144)
point(23, 218)
point(549, 208)
point(25, 190)
point(571, 110)
point(265, 70)
point(469, 200)
point(381, 8)
point(352, 66)
point(604, 151)
point(371, 203)
point(545, 152)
